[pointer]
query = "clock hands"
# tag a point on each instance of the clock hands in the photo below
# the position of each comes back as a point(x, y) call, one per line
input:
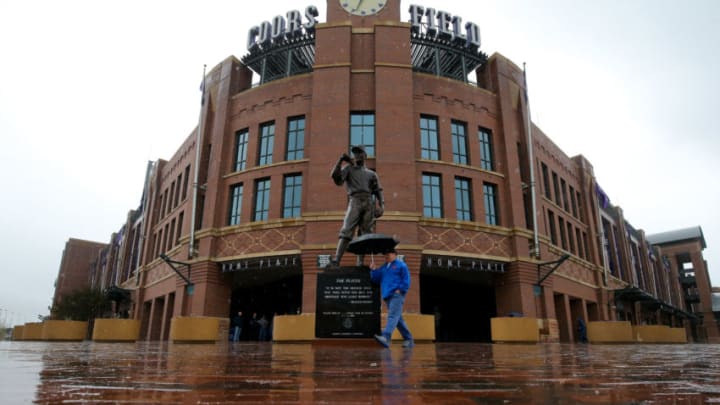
point(358, 5)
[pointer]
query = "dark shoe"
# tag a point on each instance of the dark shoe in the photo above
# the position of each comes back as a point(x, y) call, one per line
point(382, 340)
point(408, 343)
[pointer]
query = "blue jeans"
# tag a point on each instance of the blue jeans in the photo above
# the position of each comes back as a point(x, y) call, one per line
point(394, 317)
point(236, 334)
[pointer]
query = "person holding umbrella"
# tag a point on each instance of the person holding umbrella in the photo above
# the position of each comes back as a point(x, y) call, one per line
point(394, 280)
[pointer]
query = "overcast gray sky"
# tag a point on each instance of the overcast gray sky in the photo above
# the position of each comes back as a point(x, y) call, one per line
point(92, 90)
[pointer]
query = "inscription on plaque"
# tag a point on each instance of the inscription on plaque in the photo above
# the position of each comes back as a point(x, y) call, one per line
point(348, 304)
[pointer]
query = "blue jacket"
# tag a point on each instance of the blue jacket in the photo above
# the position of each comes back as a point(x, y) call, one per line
point(391, 276)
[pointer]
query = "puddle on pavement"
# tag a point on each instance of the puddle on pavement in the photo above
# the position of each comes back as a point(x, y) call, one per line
point(159, 372)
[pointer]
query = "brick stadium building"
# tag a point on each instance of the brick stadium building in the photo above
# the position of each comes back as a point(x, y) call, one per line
point(80, 259)
point(485, 207)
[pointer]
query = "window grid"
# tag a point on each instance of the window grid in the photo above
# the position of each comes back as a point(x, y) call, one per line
point(459, 142)
point(267, 137)
point(462, 199)
point(236, 193)
point(556, 186)
point(578, 239)
point(185, 182)
point(561, 229)
point(241, 144)
point(546, 180)
point(362, 131)
point(486, 152)
point(573, 203)
point(262, 200)
point(295, 138)
point(551, 224)
point(490, 194)
point(432, 201)
point(292, 196)
point(579, 203)
point(429, 145)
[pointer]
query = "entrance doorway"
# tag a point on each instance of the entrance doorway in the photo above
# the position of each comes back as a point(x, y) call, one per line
point(264, 297)
point(462, 302)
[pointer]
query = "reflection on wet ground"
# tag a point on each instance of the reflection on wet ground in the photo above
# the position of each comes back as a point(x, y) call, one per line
point(357, 372)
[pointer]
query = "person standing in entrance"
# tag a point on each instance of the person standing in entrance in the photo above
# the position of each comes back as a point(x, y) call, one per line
point(394, 280)
point(364, 192)
point(237, 323)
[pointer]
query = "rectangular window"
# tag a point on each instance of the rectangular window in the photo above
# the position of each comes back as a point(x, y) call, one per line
point(490, 195)
point(459, 142)
point(241, 144)
point(570, 236)
point(172, 197)
point(486, 149)
point(262, 199)
point(432, 200)
point(171, 234)
point(236, 194)
point(579, 203)
point(556, 186)
point(362, 131)
point(166, 204)
point(292, 194)
point(578, 239)
point(177, 192)
point(267, 138)
point(551, 223)
point(185, 181)
point(561, 228)
point(546, 180)
point(463, 204)
point(295, 138)
point(160, 248)
point(563, 187)
point(181, 217)
point(165, 239)
point(429, 145)
point(573, 203)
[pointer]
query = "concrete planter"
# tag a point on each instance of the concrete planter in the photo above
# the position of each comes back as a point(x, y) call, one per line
point(199, 329)
point(299, 328)
point(515, 330)
point(72, 331)
point(610, 332)
point(18, 332)
point(32, 331)
point(659, 334)
point(289, 328)
point(421, 326)
point(116, 330)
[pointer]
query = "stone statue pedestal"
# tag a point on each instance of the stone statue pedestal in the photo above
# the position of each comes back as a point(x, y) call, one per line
point(348, 304)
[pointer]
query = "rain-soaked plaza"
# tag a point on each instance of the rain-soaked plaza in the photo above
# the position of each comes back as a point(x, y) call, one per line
point(357, 372)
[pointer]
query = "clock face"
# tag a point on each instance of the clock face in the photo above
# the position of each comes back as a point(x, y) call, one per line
point(363, 7)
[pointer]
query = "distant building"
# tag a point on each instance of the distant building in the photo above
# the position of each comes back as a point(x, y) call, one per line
point(79, 258)
point(483, 202)
point(682, 259)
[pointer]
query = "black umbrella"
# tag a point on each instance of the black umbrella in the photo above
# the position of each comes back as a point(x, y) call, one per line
point(372, 243)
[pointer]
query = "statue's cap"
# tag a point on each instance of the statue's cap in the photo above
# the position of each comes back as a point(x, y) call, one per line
point(358, 149)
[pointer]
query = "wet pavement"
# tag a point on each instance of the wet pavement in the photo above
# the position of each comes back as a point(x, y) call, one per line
point(353, 372)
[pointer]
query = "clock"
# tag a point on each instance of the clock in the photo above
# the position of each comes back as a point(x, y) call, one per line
point(363, 7)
